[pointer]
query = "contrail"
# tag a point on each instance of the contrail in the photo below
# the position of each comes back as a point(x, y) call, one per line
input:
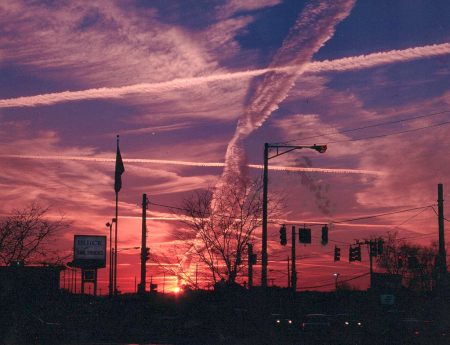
point(192, 164)
point(314, 26)
point(338, 65)
point(377, 59)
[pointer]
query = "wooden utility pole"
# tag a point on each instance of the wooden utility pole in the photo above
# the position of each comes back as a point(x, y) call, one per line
point(142, 284)
point(442, 264)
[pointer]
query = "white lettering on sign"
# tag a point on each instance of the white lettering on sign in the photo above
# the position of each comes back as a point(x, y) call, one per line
point(88, 247)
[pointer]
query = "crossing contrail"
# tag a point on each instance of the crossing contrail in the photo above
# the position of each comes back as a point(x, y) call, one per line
point(314, 26)
point(337, 65)
point(190, 164)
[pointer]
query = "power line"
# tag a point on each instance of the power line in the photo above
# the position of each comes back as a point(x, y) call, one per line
point(330, 284)
point(368, 126)
point(381, 214)
point(390, 134)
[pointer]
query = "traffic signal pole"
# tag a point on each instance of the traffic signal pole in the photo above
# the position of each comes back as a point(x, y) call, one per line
point(284, 149)
point(293, 266)
point(264, 220)
point(442, 254)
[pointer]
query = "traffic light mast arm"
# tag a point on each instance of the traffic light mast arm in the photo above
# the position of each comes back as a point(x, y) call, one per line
point(289, 148)
point(267, 147)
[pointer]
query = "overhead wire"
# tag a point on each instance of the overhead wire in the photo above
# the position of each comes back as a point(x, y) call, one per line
point(368, 126)
point(333, 283)
point(390, 134)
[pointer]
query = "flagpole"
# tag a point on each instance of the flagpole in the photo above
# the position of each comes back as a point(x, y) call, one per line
point(115, 238)
point(115, 229)
point(120, 169)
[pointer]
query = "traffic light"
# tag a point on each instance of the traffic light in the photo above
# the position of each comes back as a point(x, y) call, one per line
point(351, 254)
point(354, 253)
point(253, 259)
point(305, 235)
point(283, 240)
point(373, 248)
point(320, 148)
point(380, 244)
point(324, 235)
point(358, 253)
point(337, 254)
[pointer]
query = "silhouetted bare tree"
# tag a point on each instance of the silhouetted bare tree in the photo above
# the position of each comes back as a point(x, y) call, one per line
point(25, 236)
point(415, 263)
point(219, 223)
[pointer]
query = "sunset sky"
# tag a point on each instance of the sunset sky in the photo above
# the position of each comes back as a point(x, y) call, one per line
point(195, 86)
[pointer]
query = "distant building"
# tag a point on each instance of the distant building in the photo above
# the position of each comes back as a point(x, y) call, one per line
point(29, 280)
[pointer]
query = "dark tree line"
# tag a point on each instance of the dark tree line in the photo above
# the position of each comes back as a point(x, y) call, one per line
point(415, 263)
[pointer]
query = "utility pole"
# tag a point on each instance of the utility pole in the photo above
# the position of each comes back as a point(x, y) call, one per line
point(284, 149)
point(288, 274)
point(293, 265)
point(442, 254)
point(250, 265)
point(371, 263)
point(142, 284)
point(264, 221)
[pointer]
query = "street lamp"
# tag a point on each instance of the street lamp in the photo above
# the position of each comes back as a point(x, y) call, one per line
point(336, 276)
point(111, 265)
point(284, 149)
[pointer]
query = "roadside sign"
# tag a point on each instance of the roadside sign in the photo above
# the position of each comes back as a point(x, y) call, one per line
point(387, 299)
point(89, 251)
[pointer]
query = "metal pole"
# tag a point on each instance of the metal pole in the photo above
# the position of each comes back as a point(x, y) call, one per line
point(288, 274)
point(82, 282)
point(95, 282)
point(264, 220)
point(115, 243)
point(250, 265)
point(371, 263)
point(142, 284)
point(293, 265)
point(442, 253)
point(110, 286)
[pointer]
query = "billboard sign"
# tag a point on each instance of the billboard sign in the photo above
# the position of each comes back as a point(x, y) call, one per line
point(89, 251)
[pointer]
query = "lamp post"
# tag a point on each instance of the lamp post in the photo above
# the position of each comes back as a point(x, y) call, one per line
point(281, 150)
point(336, 276)
point(111, 265)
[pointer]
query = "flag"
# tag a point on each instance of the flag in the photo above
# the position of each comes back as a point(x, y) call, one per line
point(119, 171)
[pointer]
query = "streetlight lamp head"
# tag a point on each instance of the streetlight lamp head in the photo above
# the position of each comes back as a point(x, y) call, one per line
point(319, 148)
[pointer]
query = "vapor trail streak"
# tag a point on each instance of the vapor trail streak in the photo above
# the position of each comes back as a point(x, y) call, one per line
point(191, 164)
point(338, 65)
point(314, 26)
